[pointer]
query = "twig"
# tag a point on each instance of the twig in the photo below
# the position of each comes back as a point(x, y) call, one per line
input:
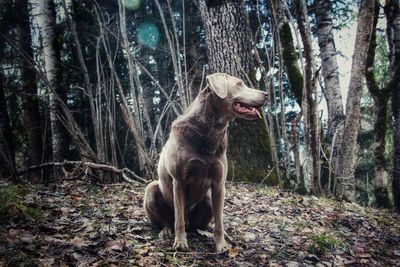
point(97, 166)
point(268, 174)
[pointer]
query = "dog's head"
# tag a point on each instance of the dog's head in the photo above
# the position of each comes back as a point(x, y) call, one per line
point(240, 100)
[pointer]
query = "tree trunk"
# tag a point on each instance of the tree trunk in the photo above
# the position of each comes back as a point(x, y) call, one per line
point(7, 153)
point(310, 108)
point(228, 40)
point(32, 118)
point(346, 163)
point(392, 11)
point(330, 70)
point(381, 98)
point(289, 54)
point(57, 92)
point(331, 89)
point(290, 60)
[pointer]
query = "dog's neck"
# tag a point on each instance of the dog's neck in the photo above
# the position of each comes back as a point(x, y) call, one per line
point(210, 121)
point(208, 110)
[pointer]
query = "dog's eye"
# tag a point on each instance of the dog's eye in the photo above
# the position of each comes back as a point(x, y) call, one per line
point(240, 83)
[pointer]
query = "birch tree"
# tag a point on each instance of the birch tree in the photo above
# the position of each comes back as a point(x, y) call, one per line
point(330, 69)
point(346, 163)
point(57, 92)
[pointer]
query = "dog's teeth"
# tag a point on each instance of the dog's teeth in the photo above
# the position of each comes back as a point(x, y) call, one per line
point(258, 113)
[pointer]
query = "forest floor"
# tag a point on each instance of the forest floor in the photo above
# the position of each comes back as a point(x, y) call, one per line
point(80, 224)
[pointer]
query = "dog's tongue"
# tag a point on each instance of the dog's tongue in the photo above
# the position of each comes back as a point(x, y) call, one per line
point(247, 110)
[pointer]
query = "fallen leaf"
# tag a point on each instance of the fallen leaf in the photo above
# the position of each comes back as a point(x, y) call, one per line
point(13, 234)
point(142, 250)
point(75, 197)
point(233, 252)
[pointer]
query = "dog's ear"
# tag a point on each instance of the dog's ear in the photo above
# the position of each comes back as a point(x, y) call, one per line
point(218, 83)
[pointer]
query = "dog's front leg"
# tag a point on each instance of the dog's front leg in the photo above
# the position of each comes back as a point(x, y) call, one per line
point(218, 196)
point(179, 210)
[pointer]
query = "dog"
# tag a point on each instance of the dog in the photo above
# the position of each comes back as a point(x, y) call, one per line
point(193, 165)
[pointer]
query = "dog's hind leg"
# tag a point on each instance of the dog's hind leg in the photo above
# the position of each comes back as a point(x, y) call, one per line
point(201, 215)
point(157, 210)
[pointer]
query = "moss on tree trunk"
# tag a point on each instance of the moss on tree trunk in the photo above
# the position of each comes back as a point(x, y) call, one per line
point(291, 61)
point(228, 42)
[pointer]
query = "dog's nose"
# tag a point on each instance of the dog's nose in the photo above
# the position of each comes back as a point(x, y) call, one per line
point(265, 93)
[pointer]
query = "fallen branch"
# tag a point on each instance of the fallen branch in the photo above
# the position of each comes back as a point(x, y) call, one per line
point(124, 172)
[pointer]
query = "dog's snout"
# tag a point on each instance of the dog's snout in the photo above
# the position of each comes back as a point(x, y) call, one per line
point(265, 93)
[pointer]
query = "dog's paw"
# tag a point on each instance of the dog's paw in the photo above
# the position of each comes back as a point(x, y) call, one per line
point(180, 242)
point(165, 233)
point(221, 245)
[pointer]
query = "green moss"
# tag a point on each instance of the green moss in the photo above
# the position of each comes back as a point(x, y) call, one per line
point(322, 243)
point(10, 195)
point(268, 191)
point(249, 153)
point(12, 205)
point(291, 62)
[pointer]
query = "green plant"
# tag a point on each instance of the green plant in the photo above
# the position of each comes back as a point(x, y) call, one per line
point(12, 205)
point(322, 243)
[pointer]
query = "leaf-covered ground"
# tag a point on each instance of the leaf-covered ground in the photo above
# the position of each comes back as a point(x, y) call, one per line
point(78, 224)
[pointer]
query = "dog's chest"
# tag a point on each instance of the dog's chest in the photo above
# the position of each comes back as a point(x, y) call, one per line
point(200, 178)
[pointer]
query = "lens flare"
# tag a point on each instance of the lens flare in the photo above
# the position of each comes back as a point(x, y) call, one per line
point(131, 4)
point(148, 34)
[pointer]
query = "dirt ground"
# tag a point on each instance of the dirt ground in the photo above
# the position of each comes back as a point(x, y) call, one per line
point(81, 224)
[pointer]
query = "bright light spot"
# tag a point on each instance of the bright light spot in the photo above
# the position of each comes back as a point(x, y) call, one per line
point(258, 74)
point(148, 34)
point(131, 4)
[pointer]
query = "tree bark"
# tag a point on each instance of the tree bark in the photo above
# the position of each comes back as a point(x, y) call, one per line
point(7, 153)
point(331, 89)
point(57, 91)
point(289, 54)
point(392, 11)
point(311, 130)
point(330, 71)
point(345, 166)
point(381, 98)
point(32, 117)
point(228, 40)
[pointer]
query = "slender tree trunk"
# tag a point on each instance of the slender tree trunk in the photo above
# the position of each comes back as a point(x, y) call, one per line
point(330, 73)
point(228, 40)
point(57, 92)
point(289, 54)
point(7, 153)
point(330, 70)
point(392, 11)
point(346, 164)
point(311, 126)
point(381, 98)
point(290, 60)
point(32, 117)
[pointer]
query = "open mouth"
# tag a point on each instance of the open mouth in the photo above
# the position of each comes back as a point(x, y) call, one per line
point(247, 110)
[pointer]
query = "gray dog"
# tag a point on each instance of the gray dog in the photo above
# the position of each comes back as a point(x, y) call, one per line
point(193, 164)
